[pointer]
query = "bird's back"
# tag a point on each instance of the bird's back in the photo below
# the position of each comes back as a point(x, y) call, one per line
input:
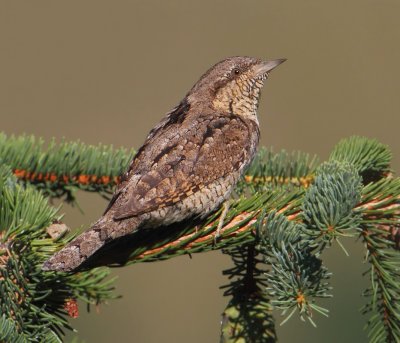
point(188, 171)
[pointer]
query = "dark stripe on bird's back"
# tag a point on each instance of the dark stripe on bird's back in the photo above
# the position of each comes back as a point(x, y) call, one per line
point(163, 152)
point(178, 115)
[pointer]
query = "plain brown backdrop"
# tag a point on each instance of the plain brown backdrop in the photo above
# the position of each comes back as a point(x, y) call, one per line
point(107, 71)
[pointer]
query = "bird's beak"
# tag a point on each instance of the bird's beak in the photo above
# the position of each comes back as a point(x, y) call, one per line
point(266, 66)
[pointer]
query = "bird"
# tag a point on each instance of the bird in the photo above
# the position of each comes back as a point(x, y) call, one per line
point(189, 163)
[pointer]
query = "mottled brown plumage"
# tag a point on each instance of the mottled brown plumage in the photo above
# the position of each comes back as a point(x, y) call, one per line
point(189, 163)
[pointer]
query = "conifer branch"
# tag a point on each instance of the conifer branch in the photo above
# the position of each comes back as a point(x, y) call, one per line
point(381, 222)
point(287, 211)
point(59, 170)
point(248, 314)
point(33, 302)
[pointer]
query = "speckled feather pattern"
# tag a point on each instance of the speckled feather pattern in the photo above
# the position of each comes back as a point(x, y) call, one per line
point(202, 153)
point(189, 163)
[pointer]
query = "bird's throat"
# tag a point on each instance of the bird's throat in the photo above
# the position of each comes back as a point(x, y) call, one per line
point(240, 99)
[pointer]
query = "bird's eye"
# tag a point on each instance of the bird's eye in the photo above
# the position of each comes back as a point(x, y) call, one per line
point(236, 71)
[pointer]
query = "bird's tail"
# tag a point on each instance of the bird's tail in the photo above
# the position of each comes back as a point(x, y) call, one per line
point(74, 254)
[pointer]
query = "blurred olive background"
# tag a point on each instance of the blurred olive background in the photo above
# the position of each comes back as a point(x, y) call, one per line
point(107, 71)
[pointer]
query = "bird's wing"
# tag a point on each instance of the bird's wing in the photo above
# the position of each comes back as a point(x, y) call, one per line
point(171, 119)
point(177, 164)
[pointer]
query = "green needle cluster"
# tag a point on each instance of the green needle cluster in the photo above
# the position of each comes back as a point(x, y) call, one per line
point(287, 210)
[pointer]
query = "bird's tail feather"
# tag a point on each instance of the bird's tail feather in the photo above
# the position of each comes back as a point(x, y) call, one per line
point(74, 254)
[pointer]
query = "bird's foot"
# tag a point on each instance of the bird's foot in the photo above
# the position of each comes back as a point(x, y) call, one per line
point(225, 209)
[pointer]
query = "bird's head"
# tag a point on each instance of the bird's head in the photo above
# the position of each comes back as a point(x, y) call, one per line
point(233, 85)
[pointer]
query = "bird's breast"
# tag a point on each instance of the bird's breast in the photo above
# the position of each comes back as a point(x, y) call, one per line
point(198, 204)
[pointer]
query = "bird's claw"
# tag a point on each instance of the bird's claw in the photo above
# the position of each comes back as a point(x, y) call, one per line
point(225, 209)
